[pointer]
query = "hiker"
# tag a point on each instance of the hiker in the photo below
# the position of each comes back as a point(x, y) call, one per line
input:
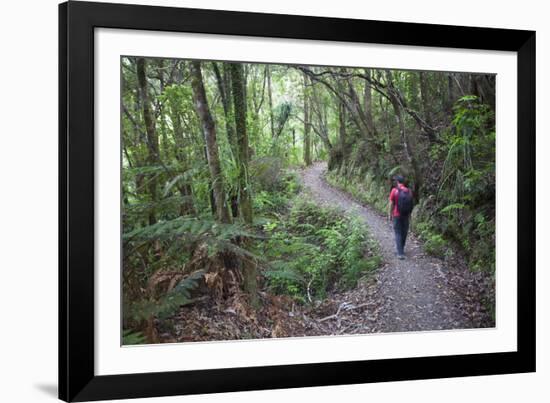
point(399, 209)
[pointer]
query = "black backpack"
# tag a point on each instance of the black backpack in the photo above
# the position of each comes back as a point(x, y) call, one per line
point(404, 202)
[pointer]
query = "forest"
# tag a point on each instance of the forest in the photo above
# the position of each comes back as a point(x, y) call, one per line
point(254, 200)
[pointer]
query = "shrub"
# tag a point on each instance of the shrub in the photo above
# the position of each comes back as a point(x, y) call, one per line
point(315, 250)
point(364, 189)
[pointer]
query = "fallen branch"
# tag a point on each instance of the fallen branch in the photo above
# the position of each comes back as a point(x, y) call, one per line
point(198, 299)
point(331, 316)
point(347, 328)
point(347, 307)
point(308, 293)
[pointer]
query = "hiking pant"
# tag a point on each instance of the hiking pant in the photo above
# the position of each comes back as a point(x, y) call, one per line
point(401, 227)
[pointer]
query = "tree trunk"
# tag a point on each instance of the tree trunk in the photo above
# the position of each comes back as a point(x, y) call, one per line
point(342, 124)
point(483, 86)
point(159, 108)
point(368, 103)
point(451, 97)
point(307, 126)
point(425, 98)
point(250, 271)
point(224, 85)
point(209, 131)
point(224, 88)
point(270, 99)
point(181, 153)
point(152, 137)
point(319, 109)
point(237, 84)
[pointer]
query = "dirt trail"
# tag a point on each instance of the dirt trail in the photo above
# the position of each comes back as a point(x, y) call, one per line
point(415, 294)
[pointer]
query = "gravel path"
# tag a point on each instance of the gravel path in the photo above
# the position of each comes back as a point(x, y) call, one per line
point(414, 294)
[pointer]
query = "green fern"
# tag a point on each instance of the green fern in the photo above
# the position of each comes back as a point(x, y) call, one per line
point(191, 228)
point(281, 270)
point(454, 206)
point(130, 337)
point(168, 304)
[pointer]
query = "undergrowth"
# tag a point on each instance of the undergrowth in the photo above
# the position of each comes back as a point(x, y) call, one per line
point(456, 212)
point(302, 250)
point(312, 250)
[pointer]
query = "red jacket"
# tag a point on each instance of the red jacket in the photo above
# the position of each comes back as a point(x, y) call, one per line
point(394, 195)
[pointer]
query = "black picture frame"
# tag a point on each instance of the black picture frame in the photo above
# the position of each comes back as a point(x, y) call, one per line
point(77, 21)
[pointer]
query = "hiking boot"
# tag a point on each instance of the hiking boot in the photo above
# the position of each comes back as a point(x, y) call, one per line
point(401, 257)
